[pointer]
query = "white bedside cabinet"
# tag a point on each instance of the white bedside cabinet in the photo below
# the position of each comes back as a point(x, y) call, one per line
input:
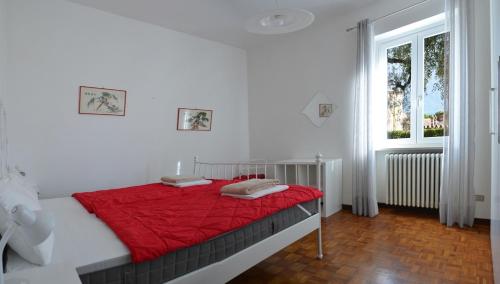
point(305, 173)
point(50, 274)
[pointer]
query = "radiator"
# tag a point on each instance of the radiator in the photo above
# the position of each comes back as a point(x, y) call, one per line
point(414, 180)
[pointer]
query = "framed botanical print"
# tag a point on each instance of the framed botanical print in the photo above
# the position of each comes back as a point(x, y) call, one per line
point(194, 119)
point(102, 101)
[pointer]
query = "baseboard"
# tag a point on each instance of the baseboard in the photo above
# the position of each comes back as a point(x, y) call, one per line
point(383, 205)
point(346, 207)
point(482, 221)
point(380, 205)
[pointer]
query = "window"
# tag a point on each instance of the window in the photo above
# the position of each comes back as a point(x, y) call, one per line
point(411, 87)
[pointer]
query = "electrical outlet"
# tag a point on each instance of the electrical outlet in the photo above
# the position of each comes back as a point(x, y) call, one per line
point(479, 197)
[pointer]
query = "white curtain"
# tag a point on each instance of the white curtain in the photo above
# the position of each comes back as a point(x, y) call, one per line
point(3, 143)
point(364, 201)
point(457, 203)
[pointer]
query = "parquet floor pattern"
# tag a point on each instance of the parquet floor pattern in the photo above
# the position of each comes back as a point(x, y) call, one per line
point(397, 246)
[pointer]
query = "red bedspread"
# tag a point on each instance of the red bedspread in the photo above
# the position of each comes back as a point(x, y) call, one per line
point(154, 219)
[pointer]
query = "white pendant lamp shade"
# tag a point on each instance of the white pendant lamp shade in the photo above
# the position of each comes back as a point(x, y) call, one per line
point(279, 21)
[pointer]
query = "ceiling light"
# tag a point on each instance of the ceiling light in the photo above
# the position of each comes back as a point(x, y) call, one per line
point(279, 21)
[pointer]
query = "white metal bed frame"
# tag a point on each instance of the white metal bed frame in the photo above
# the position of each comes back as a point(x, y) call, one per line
point(227, 269)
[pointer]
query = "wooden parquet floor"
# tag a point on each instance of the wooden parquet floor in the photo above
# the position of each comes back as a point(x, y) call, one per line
point(397, 246)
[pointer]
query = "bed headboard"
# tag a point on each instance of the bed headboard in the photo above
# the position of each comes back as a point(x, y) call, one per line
point(302, 172)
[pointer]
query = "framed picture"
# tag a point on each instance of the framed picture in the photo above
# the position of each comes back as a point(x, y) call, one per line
point(325, 110)
point(194, 119)
point(102, 101)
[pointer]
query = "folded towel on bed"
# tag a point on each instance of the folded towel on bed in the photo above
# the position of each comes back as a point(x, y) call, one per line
point(188, 183)
point(249, 186)
point(179, 179)
point(258, 194)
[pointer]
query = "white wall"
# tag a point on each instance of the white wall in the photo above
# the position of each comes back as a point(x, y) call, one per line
point(495, 142)
point(56, 46)
point(3, 45)
point(482, 173)
point(284, 73)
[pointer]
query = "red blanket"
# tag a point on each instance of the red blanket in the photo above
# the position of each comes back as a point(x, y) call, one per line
point(154, 219)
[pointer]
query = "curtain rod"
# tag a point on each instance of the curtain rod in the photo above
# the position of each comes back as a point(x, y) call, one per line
point(390, 14)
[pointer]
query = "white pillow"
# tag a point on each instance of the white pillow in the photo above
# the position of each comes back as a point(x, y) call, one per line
point(13, 191)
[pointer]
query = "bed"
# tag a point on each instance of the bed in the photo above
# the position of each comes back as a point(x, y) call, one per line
point(101, 257)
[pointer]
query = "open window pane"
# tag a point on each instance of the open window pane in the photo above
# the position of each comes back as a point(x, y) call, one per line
point(434, 85)
point(399, 91)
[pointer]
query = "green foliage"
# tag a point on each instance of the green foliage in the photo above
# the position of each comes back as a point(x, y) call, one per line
point(398, 134)
point(436, 115)
point(429, 132)
point(399, 67)
point(399, 64)
point(435, 61)
point(439, 113)
point(433, 132)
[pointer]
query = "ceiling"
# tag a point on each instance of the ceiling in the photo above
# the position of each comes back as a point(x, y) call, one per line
point(218, 20)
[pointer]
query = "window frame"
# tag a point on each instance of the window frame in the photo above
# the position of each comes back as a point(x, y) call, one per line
point(383, 42)
point(430, 32)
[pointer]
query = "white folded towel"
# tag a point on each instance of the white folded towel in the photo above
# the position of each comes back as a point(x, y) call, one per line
point(179, 178)
point(188, 183)
point(259, 194)
point(250, 186)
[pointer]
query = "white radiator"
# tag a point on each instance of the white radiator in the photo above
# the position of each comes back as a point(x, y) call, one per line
point(414, 180)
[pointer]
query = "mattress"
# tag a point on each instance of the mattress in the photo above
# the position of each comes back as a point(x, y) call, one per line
point(154, 219)
point(181, 262)
point(85, 242)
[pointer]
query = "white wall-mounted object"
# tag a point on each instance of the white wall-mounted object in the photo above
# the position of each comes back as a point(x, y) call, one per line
point(311, 110)
point(302, 171)
point(413, 179)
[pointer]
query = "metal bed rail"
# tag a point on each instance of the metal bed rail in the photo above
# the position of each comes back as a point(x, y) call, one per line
point(303, 173)
point(265, 169)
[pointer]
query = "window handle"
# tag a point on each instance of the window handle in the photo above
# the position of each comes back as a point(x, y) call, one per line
point(492, 111)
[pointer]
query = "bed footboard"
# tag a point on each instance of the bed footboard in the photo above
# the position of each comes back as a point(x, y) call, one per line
point(266, 169)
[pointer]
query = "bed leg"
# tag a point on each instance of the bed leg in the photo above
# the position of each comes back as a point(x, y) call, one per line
point(318, 182)
point(320, 249)
point(319, 241)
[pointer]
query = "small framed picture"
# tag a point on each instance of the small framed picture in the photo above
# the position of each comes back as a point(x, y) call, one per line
point(102, 101)
point(194, 119)
point(325, 110)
